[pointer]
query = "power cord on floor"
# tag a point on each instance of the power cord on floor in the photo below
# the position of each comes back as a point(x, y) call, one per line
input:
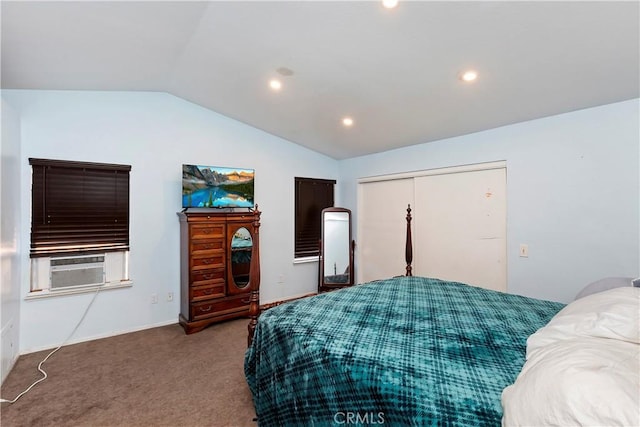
point(42, 371)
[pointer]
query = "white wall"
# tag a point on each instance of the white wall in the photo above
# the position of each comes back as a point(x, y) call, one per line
point(10, 219)
point(573, 193)
point(155, 133)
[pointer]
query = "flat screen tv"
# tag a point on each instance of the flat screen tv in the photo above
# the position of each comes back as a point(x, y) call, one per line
point(217, 187)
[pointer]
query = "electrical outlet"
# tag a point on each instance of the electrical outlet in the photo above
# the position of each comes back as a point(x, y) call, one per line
point(154, 298)
point(170, 296)
point(281, 279)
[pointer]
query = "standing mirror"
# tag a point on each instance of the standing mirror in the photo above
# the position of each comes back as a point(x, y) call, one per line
point(336, 250)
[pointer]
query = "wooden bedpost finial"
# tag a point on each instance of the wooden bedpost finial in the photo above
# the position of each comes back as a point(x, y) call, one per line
point(408, 253)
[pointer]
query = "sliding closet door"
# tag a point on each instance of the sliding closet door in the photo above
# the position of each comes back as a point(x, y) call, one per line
point(460, 227)
point(382, 209)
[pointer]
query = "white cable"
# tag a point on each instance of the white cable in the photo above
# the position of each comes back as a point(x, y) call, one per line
point(44, 374)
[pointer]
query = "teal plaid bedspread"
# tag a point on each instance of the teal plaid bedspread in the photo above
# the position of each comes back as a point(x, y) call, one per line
point(407, 351)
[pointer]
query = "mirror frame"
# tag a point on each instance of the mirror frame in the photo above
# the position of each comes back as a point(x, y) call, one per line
point(323, 286)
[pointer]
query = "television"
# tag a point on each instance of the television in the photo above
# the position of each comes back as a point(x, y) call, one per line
point(217, 187)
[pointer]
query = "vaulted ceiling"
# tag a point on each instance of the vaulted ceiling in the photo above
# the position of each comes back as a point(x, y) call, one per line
point(395, 72)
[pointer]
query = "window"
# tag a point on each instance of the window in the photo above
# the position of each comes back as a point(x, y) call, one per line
point(312, 195)
point(78, 207)
point(79, 226)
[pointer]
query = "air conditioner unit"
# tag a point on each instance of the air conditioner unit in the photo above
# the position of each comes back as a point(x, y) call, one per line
point(76, 271)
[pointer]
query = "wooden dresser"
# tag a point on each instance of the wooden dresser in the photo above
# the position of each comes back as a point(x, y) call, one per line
point(216, 251)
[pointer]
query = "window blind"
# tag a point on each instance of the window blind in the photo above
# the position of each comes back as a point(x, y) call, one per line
point(311, 197)
point(78, 207)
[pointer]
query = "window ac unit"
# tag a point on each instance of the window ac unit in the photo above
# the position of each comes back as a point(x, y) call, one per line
point(76, 271)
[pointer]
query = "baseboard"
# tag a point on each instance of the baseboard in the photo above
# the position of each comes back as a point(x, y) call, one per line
point(8, 350)
point(272, 304)
point(263, 307)
point(105, 335)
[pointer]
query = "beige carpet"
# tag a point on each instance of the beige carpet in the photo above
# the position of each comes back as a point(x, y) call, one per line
point(156, 377)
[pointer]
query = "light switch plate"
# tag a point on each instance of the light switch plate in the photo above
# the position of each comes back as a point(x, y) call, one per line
point(524, 250)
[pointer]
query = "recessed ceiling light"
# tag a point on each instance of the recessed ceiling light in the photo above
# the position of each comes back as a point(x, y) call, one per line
point(469, 76)
point(389, 4)
point(347, 121)
point(275, 84)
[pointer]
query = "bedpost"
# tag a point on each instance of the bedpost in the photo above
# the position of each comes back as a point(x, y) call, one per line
point(408, 251)
point(254, 280)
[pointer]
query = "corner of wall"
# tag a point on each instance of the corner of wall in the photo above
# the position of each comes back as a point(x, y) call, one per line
point(10, 214)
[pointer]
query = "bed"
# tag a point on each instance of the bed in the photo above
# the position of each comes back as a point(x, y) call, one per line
point(415, 351)
point(440, 353)
point(241, 245)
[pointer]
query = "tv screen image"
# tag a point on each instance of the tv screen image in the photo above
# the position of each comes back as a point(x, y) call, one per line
point(217, 187)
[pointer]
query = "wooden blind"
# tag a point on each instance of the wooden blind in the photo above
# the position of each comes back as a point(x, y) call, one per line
point(78, 207)
point(312, 196)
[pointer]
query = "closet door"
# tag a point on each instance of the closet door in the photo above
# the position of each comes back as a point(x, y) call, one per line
point(380, 245)
point(460, 227)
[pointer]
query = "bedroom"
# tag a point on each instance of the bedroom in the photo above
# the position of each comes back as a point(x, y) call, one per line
point(573, 196)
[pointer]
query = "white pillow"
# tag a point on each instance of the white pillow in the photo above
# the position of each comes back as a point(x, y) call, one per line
point(577, 382)
point(583, 367)
point(610, 314)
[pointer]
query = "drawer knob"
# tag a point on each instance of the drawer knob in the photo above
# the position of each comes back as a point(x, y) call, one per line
point(206, 309)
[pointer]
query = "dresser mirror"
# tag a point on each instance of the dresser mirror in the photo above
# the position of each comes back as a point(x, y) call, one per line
point(336, 250)
point(241, 248)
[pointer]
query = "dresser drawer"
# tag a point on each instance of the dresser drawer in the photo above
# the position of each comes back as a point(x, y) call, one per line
point(201, 310)
point(199, 293)
point(207, 261)
point(207, 245)
point(207, 277)
point(206, 231)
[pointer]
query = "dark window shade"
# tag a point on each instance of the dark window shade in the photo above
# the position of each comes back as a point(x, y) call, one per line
point(78, 207)
point(312, 196)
